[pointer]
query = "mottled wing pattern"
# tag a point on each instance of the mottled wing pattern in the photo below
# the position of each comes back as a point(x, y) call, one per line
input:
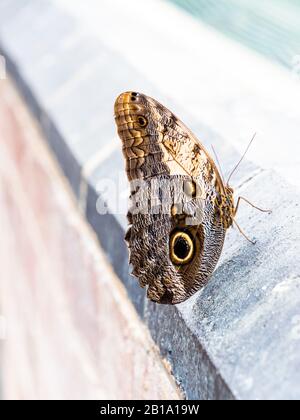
point(174, 249)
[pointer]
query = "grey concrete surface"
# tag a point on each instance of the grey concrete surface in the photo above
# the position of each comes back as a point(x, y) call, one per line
point(240, 337)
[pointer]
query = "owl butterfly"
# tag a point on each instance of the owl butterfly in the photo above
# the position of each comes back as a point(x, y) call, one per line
point(181, 207)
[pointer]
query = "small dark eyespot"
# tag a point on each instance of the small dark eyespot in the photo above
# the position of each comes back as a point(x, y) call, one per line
point(134, 96)
point(142, 121)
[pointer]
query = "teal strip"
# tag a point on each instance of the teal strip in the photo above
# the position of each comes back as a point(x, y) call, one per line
point(271, 27)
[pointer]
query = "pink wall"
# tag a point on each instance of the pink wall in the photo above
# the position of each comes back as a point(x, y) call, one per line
point(71, 331)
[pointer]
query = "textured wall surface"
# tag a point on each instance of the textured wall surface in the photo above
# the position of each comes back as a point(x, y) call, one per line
point(71, 331)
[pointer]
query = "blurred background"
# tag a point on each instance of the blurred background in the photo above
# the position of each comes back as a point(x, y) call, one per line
point(270, 27)
point(69, 328)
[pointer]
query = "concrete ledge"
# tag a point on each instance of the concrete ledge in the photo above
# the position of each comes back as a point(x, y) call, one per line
point(238, 338)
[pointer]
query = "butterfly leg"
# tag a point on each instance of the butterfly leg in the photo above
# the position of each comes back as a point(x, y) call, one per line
point(243, 233)
point(252, 205)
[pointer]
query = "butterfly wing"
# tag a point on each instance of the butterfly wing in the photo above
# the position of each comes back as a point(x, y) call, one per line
point(176, 233)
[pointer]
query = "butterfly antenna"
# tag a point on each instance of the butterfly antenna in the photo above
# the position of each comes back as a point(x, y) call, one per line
point(218, 162)
point(242, 158)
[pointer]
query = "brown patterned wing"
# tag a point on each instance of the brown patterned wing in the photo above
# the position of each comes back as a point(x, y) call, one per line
point(176, 241)
point(146, 128)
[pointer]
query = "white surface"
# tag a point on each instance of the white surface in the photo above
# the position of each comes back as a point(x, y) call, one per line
point(226, 86)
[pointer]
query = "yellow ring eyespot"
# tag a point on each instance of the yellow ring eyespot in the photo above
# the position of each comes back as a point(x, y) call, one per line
point(181, 248)
point(142, 121)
